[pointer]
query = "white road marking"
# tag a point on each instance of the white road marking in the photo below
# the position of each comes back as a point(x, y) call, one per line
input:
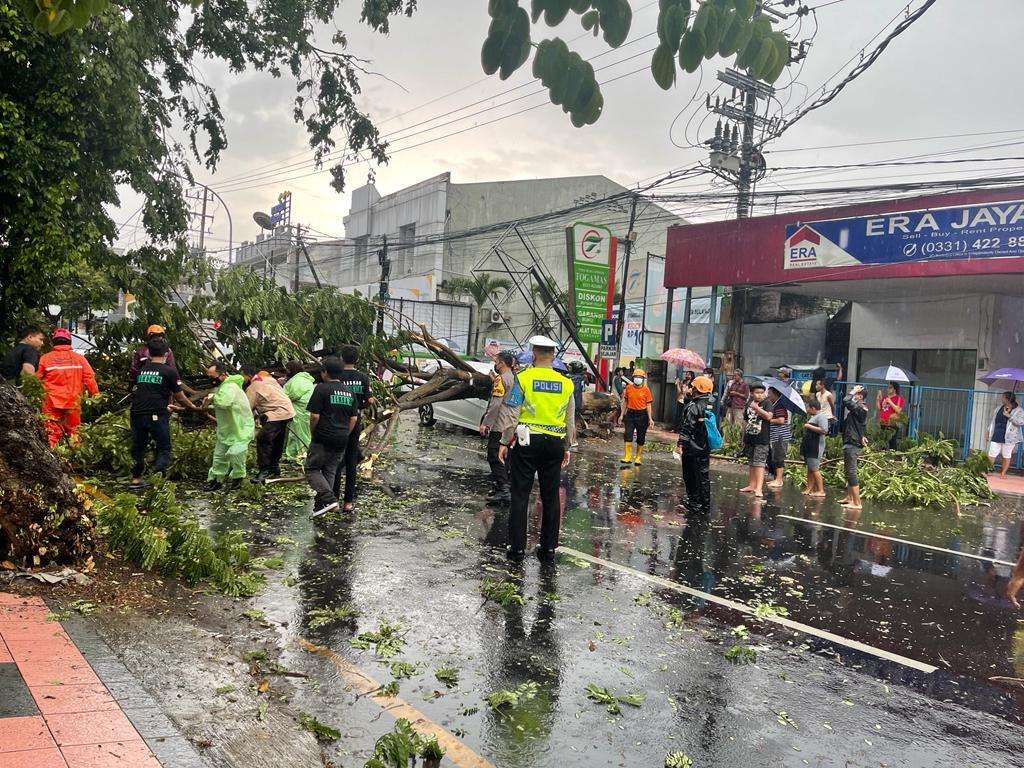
point(743, 608)
point(873, 535)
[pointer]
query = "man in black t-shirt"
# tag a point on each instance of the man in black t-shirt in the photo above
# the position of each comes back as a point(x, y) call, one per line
point(24, 357)
point(854, 440)
point(756, 439)
point(333, 414)
point(155, 383)
point(358, 383)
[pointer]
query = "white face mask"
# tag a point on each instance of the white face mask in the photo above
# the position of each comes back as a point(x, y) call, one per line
point(638, 380)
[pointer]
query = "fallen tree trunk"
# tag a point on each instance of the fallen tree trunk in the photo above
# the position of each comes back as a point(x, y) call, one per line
point(42, 519)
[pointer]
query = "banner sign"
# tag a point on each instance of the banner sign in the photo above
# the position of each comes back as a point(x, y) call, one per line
point(591, 250)
point(985, 231)
point(633, 331)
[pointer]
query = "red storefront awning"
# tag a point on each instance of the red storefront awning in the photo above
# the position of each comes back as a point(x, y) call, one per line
point(965, 233)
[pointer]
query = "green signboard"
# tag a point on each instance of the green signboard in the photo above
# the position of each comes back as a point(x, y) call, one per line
point(591, 250)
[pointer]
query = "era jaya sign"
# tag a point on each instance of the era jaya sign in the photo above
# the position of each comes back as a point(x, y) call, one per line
point(986, 231)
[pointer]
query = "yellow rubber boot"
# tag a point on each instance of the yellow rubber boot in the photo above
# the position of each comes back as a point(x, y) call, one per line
point(639, 455)
point(627, 453)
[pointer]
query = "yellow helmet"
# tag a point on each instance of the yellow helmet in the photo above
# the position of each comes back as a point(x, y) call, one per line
point(640, 372)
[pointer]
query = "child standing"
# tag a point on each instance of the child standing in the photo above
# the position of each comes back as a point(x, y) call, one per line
point(812, 448)
point(756, 439)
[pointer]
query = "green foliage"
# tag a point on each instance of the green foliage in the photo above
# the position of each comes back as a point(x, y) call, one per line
point(430, 749)
point(447, 675)
point(399, 748)
point(32, 390)
point(157, 533)
point(611, 701)
point(322, 732)
point(741, 654)
point(922, 472)
point(88, 91)
point(504, 593)
point(324, 617)
point(258, 318)
point(723, 28)
point(678, 760)
point(387, 640)
point(506, 699)
point(402, 670)
point(105, 447)
point(482, 287)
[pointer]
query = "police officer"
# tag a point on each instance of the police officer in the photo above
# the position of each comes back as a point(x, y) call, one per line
point(538, 446)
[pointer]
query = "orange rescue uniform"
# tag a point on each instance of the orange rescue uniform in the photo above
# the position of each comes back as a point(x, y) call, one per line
point(65, 375)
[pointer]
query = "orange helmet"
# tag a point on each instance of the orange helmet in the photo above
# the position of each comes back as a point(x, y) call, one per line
point(155, 329)
point(703, 384)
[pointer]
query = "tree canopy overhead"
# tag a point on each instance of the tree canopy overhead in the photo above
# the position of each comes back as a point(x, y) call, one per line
point(687, 32)
point(92, 95)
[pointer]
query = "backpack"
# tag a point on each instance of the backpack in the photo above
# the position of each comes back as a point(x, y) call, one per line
point(714, 433)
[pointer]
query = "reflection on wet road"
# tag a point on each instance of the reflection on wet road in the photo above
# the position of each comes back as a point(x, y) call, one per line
point(416, 552)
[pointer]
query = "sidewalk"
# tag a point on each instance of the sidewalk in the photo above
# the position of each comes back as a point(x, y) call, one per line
point(67, 702)
point(1011, 485)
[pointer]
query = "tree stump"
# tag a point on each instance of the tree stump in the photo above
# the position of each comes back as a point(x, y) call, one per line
point(42, 519)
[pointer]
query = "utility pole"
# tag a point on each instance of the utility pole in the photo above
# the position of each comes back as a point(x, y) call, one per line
point(385, 273)
point(737, 160)
point(630, 237)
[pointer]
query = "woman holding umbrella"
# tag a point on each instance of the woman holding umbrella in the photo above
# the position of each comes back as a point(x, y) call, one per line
point(890, 407)
point(1004, 431)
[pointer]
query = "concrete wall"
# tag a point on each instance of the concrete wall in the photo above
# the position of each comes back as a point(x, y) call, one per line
point(478, 205)
point(410, 214)
point(768, 345)
point(933, 323)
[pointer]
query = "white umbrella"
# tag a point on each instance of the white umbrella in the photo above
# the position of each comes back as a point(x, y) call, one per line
point(889, 373)
point(791, 399)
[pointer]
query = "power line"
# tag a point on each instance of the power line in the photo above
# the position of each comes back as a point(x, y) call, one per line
point(861, 67)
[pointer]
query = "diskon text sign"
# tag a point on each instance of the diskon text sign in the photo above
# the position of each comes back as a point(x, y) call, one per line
point(591, 250)
point(986, 231)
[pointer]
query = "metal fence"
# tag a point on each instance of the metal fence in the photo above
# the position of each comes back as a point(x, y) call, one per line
point(963, 415)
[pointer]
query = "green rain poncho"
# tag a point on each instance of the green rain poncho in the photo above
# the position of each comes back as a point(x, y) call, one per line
point(298, 388)
point(235, 430)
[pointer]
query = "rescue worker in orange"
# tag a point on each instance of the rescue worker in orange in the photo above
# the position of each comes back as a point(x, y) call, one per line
point(636, 416)
point(66, 376)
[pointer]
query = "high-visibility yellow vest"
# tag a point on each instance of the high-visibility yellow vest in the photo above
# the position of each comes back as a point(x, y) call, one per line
point(546, 395)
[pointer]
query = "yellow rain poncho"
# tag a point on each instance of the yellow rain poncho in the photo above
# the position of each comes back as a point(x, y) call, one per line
point(298, 388)
point(235, 430)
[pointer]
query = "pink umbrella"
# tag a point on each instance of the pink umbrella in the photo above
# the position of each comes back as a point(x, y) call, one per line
point(685, 358)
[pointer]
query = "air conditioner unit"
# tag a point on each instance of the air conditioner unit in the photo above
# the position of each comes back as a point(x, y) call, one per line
point(497, 316)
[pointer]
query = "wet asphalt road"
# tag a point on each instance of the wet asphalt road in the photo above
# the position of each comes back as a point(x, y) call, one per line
point(416, 554)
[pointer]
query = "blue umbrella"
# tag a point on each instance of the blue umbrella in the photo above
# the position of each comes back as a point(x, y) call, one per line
point(889, 373)
point(525, 357)
point(791, 399)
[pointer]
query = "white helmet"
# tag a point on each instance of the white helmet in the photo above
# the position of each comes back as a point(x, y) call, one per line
point(542, 341)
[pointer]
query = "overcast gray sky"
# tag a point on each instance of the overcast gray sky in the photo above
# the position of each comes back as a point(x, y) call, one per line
point(955, 71)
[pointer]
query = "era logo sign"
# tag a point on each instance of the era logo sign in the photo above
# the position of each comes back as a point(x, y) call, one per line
point(802, 248)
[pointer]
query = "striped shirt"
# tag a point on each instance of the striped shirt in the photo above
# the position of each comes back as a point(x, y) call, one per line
point(782, 431)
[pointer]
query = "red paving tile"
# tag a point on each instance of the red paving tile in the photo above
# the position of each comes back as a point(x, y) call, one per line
point(23, 733)
point(63, 699)
point(44, 649)
point(34, 758)
point(5, 656)
point(33, 630)
point(38, 673)
point(6, 598)
point(9, 612)
point(91, 728)
point(128, 754)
